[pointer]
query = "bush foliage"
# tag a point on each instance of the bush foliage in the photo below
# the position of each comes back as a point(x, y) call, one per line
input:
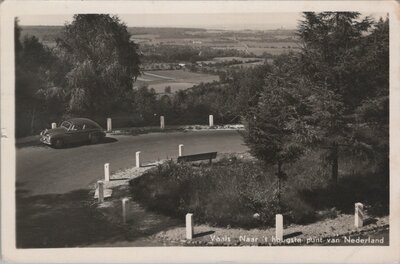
point(244, 193)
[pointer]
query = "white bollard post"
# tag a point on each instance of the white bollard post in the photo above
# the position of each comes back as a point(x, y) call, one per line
point(100, 185)
point(53, 125)
point(211, 120)
point(358, 215)
point(107, 172)
point(181, 149)
point(125, 206)
point(137, 159)
point(189, 226)
point(279, 227)
point(162, 122)
point(109, 125)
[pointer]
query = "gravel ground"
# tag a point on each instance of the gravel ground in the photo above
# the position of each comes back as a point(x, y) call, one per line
point(314, 233)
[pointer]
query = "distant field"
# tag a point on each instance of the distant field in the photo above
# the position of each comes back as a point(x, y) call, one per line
point(258, 51)
point(187, 75)
point(150, 77)
point(244, 60)
point(247, 65)
point(176, 79)
point(265, 44)
point(47, 34)
point(175, 86)
point(272, 41)
point(273, 51)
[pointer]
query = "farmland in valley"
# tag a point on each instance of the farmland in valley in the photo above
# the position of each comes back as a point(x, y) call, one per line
point(180, 58)
point(254, 42)
point(176, 79)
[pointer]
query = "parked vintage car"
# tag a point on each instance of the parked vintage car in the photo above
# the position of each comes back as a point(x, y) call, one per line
point(75, 130)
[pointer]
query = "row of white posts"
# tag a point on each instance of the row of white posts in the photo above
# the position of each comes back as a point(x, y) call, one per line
point(358, 222)
point(125, 201)
point(100, 185)
point(162, 123)
point(358, 211)
point(359, 216)
point(107, 172)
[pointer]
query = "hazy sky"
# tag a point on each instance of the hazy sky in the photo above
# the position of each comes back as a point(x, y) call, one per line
point(215, 20)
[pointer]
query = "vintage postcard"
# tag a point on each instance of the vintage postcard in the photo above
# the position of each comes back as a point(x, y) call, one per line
point(200, 131)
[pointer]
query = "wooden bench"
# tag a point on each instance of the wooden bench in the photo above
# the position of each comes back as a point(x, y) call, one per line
point(196, 157)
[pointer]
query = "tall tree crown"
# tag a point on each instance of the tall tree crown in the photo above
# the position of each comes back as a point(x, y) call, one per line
point(104, 62)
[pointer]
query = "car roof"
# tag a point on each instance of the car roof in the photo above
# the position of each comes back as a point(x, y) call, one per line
point(82, 121)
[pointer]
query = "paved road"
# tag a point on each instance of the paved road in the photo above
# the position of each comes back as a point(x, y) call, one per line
point(43, 170)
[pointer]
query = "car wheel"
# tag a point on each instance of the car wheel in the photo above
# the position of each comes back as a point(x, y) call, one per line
point(58, 143)
point(94, 138)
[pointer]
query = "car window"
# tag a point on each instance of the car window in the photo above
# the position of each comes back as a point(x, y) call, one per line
point(77, 127)
point(90, 126)
point(66, 124)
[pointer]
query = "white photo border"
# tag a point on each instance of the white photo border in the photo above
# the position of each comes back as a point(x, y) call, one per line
point(292, 254)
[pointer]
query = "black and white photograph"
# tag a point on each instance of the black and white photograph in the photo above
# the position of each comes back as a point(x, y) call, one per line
point(157, 125)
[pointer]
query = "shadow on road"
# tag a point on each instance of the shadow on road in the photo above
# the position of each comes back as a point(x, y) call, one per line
point(60, 220)
point(33, 141)
point(36, 143)
point(71, 220)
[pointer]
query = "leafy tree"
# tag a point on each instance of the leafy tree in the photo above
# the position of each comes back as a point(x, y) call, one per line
point(167, 89)
point(36, 88)
point(144, 102)
point(103, 63)
point(247, 85)
point(340, 57)
point(269, 133)
point(372, 122)
point(331, 49)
